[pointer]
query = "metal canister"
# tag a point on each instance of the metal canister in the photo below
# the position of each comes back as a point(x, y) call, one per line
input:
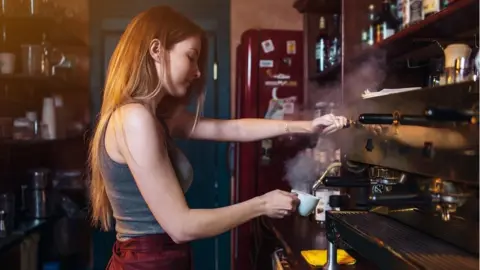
point(38, 195)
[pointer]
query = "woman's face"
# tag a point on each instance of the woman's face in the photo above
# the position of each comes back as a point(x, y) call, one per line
point(184, 65)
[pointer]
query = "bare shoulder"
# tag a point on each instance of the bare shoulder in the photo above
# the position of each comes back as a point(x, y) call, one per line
point(137, 132)
point(135, 116)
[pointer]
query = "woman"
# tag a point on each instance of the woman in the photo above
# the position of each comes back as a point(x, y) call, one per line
point(138, 175)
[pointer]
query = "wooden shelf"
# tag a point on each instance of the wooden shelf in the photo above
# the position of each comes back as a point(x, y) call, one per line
point(25, 29)
point(41, 141)
point(38, 82)
point(318, 6)
point(453, 24)
point(330, 73)
point(23, 77)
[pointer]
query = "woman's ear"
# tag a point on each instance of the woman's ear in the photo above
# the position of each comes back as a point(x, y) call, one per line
point(155, 50)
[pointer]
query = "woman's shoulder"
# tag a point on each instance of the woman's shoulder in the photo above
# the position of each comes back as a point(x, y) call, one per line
point(135, 115)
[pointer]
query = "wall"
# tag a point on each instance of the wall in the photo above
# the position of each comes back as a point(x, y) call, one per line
point(247, 14)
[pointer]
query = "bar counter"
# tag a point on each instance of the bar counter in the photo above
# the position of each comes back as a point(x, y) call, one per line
point(296, 233)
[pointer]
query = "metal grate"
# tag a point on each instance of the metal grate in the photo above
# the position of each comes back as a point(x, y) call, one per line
point(422, 250)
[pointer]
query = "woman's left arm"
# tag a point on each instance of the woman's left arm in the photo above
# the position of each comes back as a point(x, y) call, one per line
point(236, 130)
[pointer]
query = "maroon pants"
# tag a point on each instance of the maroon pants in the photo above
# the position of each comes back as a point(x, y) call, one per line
point(150, 252)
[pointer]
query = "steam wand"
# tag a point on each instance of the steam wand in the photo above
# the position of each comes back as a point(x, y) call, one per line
point(325, 173)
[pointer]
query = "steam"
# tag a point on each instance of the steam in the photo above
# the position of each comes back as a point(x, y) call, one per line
point(302, 171)
point(370, 74)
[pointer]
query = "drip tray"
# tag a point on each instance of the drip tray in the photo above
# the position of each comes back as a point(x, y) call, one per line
point(392, 245)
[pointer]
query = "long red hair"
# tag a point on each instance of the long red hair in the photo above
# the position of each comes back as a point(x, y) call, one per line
point(132, 77)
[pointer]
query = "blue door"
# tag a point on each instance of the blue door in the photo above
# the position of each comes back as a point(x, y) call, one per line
point(210, 183)
point(211, 186)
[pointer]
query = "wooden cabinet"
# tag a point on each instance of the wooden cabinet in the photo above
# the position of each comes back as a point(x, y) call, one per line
point(401, 58)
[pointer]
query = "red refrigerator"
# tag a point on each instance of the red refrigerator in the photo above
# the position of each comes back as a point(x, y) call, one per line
point(267, 60)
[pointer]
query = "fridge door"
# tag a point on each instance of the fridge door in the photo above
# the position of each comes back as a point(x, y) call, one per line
point(266, 59)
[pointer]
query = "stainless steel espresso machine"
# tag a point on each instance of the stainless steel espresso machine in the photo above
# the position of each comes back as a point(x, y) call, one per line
point(410, 169)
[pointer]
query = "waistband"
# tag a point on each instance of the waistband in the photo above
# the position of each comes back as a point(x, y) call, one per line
point(150, 243)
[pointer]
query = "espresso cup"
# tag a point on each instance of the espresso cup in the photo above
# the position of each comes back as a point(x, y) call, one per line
point(308, 203)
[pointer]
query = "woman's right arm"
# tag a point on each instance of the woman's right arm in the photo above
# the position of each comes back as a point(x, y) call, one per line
point(145, 152)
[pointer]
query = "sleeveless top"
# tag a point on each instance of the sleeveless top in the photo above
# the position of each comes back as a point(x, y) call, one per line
point(130, 211)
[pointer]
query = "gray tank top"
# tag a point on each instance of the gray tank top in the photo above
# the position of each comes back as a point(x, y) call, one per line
point(130, 211)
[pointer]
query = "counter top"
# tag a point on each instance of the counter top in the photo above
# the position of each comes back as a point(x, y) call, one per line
point(24, 228)
point(297, 233)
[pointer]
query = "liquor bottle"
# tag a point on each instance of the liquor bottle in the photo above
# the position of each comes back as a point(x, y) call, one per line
point(413, 12)
point(322, 45)
point(371, 27)
point(334, 51)
point(431, 7)
point(445, 3)
point(364, 39)
point(399, 11)
point(387, 23)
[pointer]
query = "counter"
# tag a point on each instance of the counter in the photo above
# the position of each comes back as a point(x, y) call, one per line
point(23, 229)
point(296, 233)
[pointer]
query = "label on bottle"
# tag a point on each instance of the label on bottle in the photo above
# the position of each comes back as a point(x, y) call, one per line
point(321, 23)
point(400, 4)
point(371, 35)
point(416, 11)
point(405, 12)
point(431, 6)
point(320, 54)
point(333, 52)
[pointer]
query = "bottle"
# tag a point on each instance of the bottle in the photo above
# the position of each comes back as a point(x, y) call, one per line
point(413, 12)
point(399, 11)
point(444, 3)
point(321, 48)
point(387, 22)
point(334, 52)
point(364, 39)
point(431, 7)
point(371, 27)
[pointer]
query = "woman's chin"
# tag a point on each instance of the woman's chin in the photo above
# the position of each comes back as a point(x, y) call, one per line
point(179, 92)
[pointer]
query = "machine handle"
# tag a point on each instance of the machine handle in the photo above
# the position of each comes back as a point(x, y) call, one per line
point(336, 181)
point(451, 115)
point(376, 119)
point(390, 119)
point(398, 199)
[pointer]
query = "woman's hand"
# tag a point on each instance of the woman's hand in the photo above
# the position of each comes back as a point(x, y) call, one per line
point(279, 203)
point(329, 123)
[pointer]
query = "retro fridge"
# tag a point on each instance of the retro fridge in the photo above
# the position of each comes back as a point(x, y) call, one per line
point(269, 67)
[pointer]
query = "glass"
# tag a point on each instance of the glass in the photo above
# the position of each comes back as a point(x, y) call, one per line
point(7, 204)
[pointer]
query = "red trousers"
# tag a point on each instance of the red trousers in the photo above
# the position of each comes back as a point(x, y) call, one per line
point(150, 252)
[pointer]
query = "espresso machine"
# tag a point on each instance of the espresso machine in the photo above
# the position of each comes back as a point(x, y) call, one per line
point(410, 167)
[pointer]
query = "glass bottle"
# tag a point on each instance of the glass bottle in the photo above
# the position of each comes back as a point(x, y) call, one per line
point(371, 27)
point(387, 23)
point(431, 7)
point(334, 52)
point(321, 47)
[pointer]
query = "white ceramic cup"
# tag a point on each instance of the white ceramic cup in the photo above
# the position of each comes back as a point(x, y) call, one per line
point(308, 203)
point(7, 63)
